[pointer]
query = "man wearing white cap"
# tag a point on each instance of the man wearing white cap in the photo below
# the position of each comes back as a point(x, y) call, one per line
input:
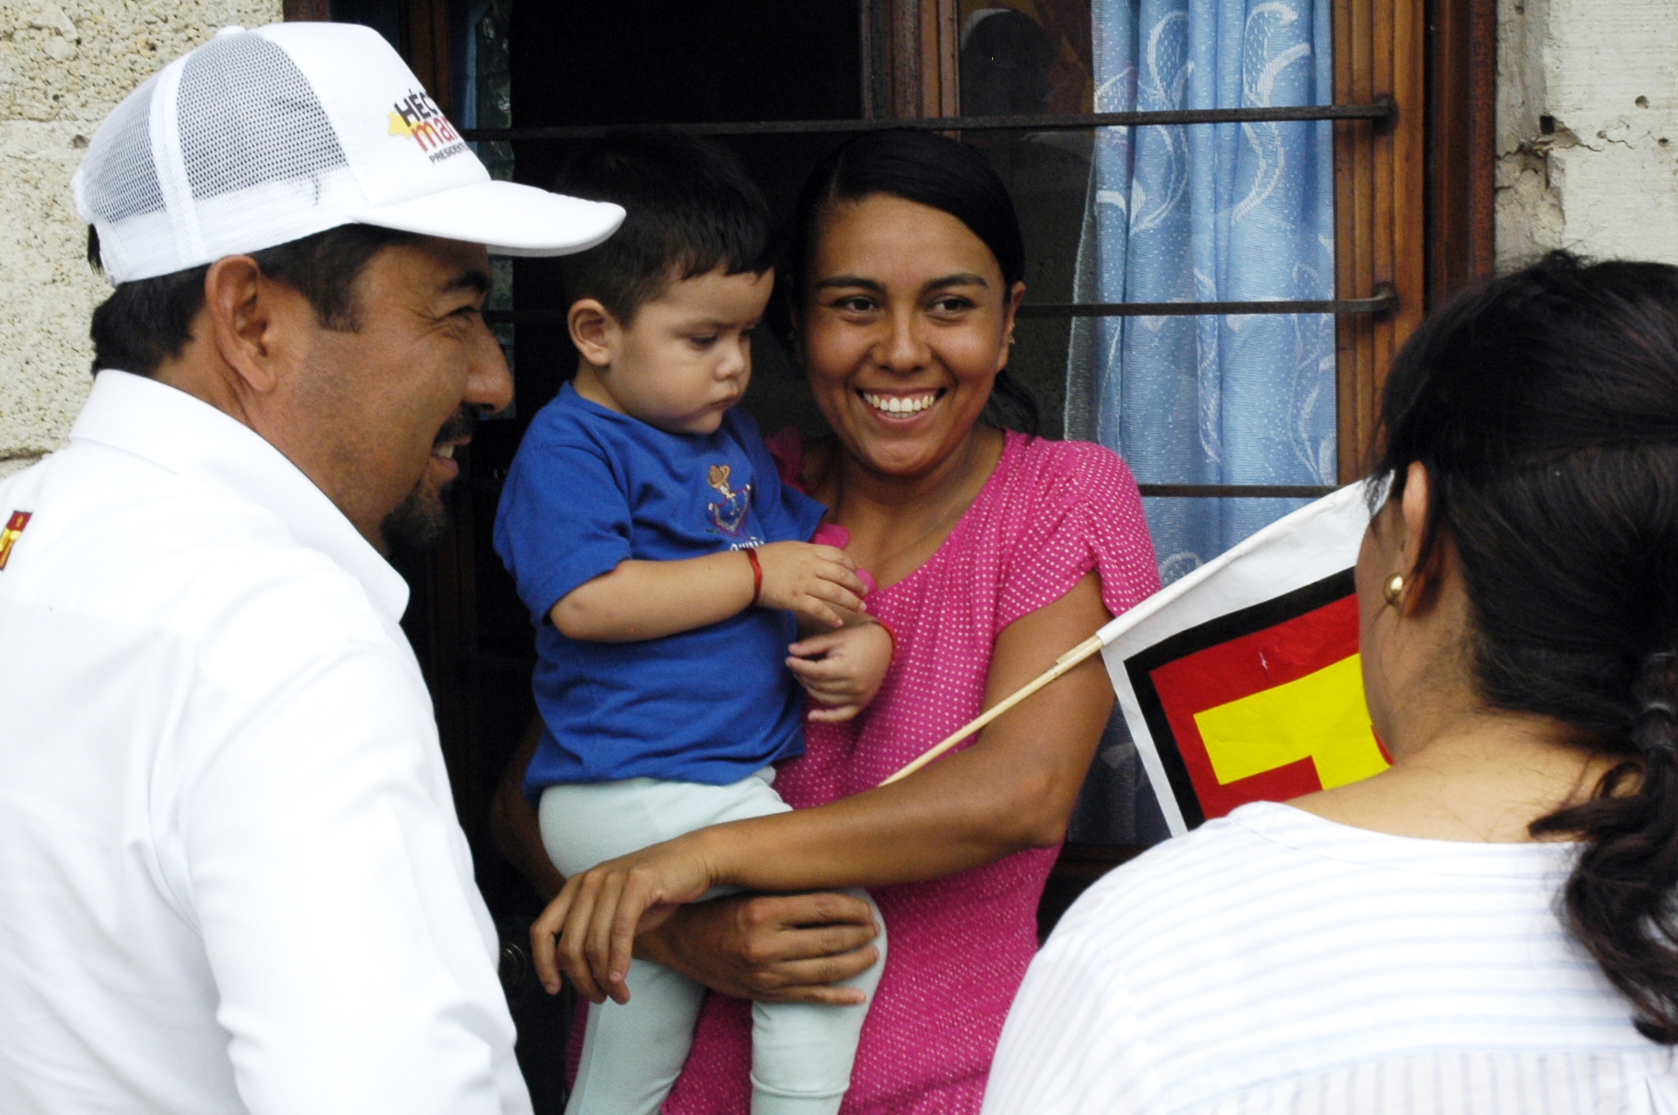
point(231, 879)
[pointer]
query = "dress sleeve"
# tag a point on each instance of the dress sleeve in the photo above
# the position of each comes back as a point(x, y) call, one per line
point(563, 519)
point(1084, 514)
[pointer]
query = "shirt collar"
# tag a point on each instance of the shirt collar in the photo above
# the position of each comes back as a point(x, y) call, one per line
point(188, 436)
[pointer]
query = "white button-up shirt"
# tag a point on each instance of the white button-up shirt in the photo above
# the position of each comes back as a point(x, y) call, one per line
point(231, 878)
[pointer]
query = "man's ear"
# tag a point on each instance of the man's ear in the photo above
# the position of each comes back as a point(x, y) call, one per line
point(249, 315)
point(594, 330)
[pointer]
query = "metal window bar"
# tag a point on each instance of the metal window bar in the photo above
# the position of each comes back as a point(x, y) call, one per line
point(1382, 110)
point(1383, 300)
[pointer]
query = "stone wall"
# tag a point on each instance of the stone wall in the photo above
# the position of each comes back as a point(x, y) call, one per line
point(1587, 128)
point(63, 66)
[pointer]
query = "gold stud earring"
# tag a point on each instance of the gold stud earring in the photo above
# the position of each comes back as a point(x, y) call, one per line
point(1393, 588)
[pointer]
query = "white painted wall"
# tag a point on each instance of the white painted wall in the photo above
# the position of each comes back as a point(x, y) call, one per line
point(1604, 180)
point(63, 66)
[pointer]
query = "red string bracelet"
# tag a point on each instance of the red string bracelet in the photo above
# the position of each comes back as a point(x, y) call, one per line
point(757, 580)
point(890, 634)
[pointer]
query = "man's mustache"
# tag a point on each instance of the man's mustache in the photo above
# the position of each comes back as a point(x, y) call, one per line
point(460, 424)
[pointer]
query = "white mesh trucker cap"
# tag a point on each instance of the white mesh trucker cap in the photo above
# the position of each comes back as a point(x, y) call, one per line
point(260, 137)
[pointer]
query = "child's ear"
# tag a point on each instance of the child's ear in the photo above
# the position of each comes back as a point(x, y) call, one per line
point(594, 331)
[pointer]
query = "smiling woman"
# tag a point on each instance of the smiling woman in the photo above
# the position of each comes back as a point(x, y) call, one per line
point(994, 552)
point(907, 323)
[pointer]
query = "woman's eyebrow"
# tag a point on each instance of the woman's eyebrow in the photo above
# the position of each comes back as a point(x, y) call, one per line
point(960, 278)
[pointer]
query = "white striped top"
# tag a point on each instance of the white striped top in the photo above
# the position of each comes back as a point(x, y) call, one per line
point(1273, 961)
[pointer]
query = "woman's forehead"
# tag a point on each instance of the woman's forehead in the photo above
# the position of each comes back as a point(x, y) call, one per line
point(887, 238)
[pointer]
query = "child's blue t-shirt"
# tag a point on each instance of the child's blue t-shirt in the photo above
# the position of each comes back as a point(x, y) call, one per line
point(590, 488)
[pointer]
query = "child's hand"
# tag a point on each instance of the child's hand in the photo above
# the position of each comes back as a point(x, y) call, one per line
point(813, 582)
point(842, 669)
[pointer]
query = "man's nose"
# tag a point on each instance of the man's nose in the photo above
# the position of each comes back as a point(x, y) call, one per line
point(489, 385)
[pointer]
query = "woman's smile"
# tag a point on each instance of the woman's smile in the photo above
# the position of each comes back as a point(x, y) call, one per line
point(899, 407)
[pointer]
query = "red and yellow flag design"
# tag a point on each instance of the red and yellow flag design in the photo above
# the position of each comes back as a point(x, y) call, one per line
point(1266, 713)
point(9, 536)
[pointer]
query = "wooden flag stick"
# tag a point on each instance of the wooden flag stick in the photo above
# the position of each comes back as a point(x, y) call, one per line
point(1062, 664)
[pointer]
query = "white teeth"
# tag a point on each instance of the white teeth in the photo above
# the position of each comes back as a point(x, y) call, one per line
point(898, 404)
point(446, 451)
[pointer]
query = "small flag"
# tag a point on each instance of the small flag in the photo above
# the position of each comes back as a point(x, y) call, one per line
point(1241, 682)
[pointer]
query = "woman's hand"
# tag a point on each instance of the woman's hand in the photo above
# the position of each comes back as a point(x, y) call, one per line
point(842, 670)
point(590, 929)
point(772, 948)
point(815, 583)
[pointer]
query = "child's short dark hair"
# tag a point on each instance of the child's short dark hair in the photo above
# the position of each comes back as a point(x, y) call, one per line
point(692, 208)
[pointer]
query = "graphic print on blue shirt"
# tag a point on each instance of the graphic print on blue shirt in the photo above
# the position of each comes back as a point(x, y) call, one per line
point(590, 488)
point(728, 515)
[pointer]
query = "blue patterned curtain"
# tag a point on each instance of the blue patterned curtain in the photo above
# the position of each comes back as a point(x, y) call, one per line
point(1221, 212)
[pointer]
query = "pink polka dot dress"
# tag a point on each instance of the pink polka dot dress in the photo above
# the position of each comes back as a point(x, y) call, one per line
point(1050, 513)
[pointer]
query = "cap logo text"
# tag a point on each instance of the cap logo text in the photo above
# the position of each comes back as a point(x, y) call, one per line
point(418, 117)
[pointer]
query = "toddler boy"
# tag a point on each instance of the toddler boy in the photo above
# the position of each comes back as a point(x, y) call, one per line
point(664, 563)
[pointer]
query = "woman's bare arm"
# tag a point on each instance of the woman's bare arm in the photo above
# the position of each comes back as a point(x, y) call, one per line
point(1013, 789)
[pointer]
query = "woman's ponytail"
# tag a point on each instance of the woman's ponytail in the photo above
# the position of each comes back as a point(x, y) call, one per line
point(1619, 900)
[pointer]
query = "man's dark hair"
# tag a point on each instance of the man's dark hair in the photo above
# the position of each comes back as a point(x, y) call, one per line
point(145, 322)
point(692, 209)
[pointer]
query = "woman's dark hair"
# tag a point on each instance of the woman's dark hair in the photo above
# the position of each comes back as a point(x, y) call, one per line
point(931, 170)
point(147, 321)
point(1545, 409)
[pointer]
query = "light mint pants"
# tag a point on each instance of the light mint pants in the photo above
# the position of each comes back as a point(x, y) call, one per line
point(632, 1054)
